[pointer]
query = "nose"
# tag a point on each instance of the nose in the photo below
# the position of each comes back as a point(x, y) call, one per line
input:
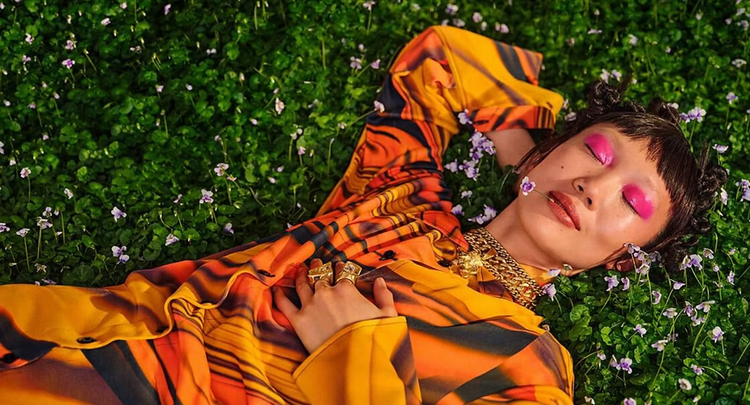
point(587, 191)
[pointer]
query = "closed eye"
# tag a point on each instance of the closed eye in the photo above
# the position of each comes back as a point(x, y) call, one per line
point(592, 154)
point(629, 204)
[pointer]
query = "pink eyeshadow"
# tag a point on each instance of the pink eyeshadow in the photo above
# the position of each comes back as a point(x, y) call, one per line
point(639, 200)
point(601, 147)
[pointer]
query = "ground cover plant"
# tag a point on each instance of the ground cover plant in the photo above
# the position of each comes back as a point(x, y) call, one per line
point(138, 133)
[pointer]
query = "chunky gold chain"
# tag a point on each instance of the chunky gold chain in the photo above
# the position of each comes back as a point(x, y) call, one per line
point(486, 252)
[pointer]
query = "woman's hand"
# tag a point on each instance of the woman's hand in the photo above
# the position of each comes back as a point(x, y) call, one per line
point(327, 309)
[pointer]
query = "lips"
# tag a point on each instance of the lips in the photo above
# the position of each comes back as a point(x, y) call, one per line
point(564, 209)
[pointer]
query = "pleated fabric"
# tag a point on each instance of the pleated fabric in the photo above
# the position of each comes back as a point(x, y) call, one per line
point(207, 332)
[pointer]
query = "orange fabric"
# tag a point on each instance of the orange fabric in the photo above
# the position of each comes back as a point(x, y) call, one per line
point(206, 331)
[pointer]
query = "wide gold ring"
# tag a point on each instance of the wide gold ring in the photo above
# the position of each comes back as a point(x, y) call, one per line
point(350, 272)
point(322, 273)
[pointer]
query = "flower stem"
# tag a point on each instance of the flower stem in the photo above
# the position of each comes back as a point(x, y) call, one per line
point(29, 181)
point(26, 248)
point(39, 244)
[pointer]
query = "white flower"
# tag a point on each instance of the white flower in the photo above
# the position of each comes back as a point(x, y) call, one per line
point(279, 106)
point(379, 107)
point(684, 384)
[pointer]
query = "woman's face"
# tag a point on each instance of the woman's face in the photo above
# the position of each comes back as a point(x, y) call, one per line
point(605, 192)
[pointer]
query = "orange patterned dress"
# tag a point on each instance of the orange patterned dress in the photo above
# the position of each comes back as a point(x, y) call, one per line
point(207, 331)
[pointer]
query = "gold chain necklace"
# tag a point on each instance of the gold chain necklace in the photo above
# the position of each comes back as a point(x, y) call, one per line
point(486, 252)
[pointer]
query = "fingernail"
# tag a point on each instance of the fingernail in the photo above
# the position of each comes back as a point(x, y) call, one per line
point(381, 281)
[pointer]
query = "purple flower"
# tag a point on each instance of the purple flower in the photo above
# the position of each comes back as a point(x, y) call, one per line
point(730, 278)
point(29, 38)
point(355, 63)
point(25, 172)
point(300, 150)
point(117, 213)
point(189, 87)
point(166, 9)
point(4, 227)
point(527, 186)
point(705, 306)
point(179, 197)
point(553, 272)
point(220, 169)
point(70, 45)
point(379, 107)
point(697, 370)
point(476, 17)
point(612, 282)
point(228, 228)
point(278, 106)
point(457, 210)
point(551, 291)
point(691, 261)
point(684, 384)
point(466, 194)
point(625, 365)
point(677, 285)
point(171, 239)
point(657, 296)
point(502, 28)
point(731, 251)
point(43, 223)
point(625, 283)
point(717, 334)
point(272, 180)
point(25, 59)
point(118, 251)
point(375, 65)
point(640, 329)
point(159, 88)
point(68, 63)
point(660, 344)
point(123, 5)
point(731, 97)
point(708, 253)
point(451, 9)
point(68, 193)
point(632, 40)
point(106, 21)
point(22, 232)
point(628, 401)
point(633, 249)
point(368, 5)
point(670, 313)
point(452, 166)
point(206, 197)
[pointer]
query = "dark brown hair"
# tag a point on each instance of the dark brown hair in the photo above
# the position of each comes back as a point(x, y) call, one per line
point(692, 185)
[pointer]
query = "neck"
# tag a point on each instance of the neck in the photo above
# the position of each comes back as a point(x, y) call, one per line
point(519, 245)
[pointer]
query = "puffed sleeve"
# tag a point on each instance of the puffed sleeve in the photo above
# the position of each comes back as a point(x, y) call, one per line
point(442, 72)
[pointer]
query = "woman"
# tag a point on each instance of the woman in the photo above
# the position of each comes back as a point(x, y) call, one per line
point(429, 320)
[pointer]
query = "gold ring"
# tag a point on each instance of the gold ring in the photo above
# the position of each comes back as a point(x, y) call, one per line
point(322, 273)
point(349, 272)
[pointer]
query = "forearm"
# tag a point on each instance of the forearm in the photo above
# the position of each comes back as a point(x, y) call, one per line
point(510, 145)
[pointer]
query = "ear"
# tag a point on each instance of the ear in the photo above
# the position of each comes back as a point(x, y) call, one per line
point(623, 265)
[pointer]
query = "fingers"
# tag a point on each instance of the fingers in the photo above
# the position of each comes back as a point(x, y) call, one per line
point(284, 304)
point(304, 291)
point(383, 298)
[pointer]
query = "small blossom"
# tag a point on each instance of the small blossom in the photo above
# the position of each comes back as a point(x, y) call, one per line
point(708, 253)
point(657, 296)
point(25, 59)
point(22, 232)
point(179, 197)
point(612, 282)
point(231, 178)
point(123, 259)
point(29, 38)
point(466, 194)
point(684, 384)
point(527, 186)
point(32, 106)
point(632, 40)
point(731, 97)
point(551, 291)
point(375, 65)
point(166, 9)
point(670, 313)
point(625, 283)
point(730, 278)
point(640, 329)
point(171, 239)
point(594, 31)
point(625, 364)
point(355, 63)
point(660, 344)
point(228, 228)
point(159, 88)
point(123, 5)
point(40, 268)
point(571, 116)
point(697, 370)
point(68, 193)
point(738, 63)
point(379, 107)
point(502, 28)
point(717, 334)
point(628, 401)
point(189, 87)
point(451, 9)
point(476, 17)
point(206, 196)
point(300, 150)
point(705, 306)
point(601, 356)
point(106, 21)
point(457, 210)
point(220, 169)
point(25, 172)
point(589, 400)
point(553, 272)
point(118, 251)
point(117, 213)
point(272, 180)
point(43, 223)
point(279, 106)
point(70, 45)
point(368, 5)
point(452, 166)
point(677, 285)
point(68, 63)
